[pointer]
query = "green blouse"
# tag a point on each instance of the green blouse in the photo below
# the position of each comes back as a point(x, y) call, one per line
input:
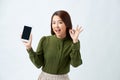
point(55, 55)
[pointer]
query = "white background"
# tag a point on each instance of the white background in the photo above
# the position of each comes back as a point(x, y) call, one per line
point(100, 40)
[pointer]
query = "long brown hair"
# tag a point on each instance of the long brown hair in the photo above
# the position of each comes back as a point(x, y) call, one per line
point(64, 15)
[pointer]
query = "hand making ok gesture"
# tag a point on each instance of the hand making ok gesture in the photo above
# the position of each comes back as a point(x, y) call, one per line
point(75, 33)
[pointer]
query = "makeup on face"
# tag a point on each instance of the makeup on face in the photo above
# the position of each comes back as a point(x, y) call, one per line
point(58, 26)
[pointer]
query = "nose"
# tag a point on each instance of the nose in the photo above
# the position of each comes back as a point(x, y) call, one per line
point(56, 25)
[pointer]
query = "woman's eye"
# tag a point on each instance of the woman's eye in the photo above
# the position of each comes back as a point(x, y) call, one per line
point(53, 22)
point(60, 22)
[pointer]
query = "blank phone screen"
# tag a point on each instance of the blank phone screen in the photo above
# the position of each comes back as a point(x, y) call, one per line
point(26, 32)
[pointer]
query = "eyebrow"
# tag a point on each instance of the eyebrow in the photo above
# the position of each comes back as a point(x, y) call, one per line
point(58, 20)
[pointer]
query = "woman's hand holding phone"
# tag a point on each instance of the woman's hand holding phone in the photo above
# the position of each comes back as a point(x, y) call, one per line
point(28, 43)
point(27, 36)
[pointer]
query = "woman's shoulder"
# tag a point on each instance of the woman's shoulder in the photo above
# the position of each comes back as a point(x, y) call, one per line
point(46, 37)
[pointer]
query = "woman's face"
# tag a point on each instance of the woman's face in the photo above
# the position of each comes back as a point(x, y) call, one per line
point(58, 27)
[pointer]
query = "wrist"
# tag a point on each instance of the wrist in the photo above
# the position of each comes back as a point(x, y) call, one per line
point(75, 41)
point(28, 47)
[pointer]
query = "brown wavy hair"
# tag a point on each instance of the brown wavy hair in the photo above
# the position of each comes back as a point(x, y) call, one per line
point(64, 15)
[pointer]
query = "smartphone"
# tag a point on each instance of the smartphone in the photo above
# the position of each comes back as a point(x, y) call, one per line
point(26, 33)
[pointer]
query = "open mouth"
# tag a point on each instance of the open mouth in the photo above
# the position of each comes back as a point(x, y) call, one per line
point(57, 30)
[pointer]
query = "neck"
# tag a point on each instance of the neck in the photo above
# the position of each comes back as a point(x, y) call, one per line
point(60, 37)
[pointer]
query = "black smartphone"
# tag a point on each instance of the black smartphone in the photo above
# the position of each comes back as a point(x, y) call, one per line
point(26, 33)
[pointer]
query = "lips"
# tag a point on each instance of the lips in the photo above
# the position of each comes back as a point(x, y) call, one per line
point(57, 30)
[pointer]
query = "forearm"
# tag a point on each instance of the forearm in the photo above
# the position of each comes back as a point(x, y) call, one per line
point(75, 55)
point(36, 59)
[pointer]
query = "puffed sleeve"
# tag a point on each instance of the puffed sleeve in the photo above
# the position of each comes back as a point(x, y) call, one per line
point(75, 55)
point(37, 57)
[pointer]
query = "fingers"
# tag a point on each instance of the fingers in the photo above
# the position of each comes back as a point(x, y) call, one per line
point(27, 43)
point(30, 39)
point(79, 29)
point(72, 31)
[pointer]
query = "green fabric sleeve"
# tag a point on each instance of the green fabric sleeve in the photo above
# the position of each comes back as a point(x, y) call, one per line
point(37, 57)
point(75, 55)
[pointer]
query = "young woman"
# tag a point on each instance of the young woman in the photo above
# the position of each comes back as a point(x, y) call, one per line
point(56, 52)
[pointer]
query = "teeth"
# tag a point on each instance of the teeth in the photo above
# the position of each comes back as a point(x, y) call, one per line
point(57, 30)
